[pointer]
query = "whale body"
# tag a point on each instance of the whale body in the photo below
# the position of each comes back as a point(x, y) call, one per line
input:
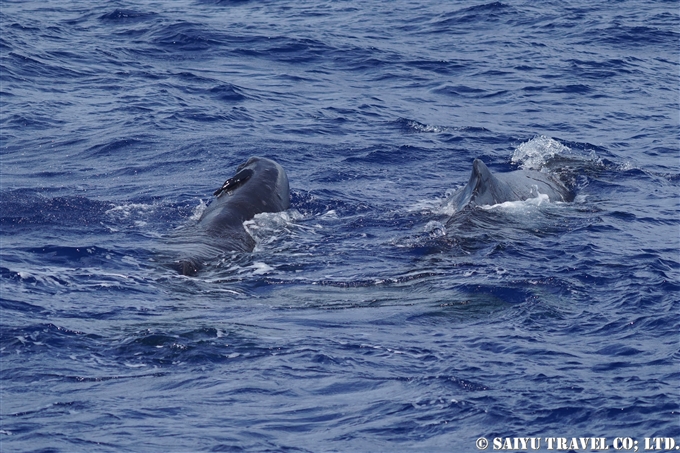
point(485, 188)
point(259, 185)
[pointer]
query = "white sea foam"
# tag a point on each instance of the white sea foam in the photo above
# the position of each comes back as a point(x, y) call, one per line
point(332, 214)
point(519, 205)
point(435, 229)
point(419, 127)
point(533, 155)
point(126, 210)
point(269, 228)
point(261, 268)
point(437, 206)
point(198, 210)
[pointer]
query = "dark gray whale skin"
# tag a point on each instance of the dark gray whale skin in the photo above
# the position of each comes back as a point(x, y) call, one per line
point(260, 185)
point(485, 188)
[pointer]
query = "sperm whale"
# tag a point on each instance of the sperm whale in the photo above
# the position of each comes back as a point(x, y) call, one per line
point(259, 185)
point(485, 188)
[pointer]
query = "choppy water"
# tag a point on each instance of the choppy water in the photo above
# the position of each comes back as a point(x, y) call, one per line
point(367, 318)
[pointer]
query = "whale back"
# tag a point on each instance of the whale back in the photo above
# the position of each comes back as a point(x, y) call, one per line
point(263, 187)
point(259, 185)
point(485, 188)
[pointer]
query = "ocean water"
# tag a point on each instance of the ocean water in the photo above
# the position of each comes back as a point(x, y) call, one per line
point(371, 316)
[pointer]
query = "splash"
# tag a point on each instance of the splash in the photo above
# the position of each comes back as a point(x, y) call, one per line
point(420, 127)
point(268, 227)
point(534, 154)
point(519, 205)
point(198, 210)
point(437, 205)
point(125, 210)
point(435, 229)
point(260, 268)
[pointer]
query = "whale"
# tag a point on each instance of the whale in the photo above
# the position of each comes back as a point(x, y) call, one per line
point(260, 185)
point(486, 188)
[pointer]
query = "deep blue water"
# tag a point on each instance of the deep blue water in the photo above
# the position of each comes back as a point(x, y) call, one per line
point(370, 317)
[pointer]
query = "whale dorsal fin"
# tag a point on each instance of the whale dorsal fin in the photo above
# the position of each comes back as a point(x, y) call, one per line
point(481, 175)
point(235, 181)
point(477, 189)
point(486, 188)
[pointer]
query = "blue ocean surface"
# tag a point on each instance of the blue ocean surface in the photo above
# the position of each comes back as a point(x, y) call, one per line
point(372, 316)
